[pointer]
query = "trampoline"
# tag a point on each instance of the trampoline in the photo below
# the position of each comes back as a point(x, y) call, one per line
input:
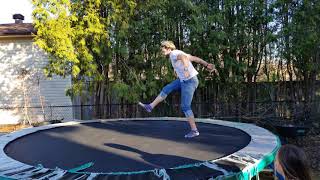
point(144, 148)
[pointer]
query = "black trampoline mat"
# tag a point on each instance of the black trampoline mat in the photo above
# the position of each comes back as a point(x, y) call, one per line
point(127, 145)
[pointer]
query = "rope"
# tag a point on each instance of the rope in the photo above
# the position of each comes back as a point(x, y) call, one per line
point(216, 167)
point(82, 167)
point(161, 173)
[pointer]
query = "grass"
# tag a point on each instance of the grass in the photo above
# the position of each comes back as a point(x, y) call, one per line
point(7, 128)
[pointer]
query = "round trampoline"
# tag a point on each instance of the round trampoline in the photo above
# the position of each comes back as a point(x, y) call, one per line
point(145, 148)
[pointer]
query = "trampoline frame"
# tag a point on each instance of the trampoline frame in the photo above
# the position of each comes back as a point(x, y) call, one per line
point(253, 158)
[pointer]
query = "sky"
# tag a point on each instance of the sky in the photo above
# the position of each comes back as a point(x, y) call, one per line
point(10, 7)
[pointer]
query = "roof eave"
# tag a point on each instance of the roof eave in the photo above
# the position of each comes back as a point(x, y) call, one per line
point(6, 37)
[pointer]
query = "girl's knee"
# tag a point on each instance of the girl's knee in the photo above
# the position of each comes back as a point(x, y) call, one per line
point(187, 110)
point(163, 94)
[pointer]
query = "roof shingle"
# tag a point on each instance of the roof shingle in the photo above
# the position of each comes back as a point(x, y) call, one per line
point(17, 29)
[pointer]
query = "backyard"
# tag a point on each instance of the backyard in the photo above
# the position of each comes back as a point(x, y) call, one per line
point(89, 66)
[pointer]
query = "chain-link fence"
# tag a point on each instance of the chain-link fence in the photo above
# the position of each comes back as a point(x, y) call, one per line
point(294, 111)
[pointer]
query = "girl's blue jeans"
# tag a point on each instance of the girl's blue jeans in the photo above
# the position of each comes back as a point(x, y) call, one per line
point(187, 88)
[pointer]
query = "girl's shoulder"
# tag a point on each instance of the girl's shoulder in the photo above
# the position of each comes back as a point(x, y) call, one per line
point(175, 53)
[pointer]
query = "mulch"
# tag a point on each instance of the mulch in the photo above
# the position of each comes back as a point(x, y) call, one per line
point(311, 145)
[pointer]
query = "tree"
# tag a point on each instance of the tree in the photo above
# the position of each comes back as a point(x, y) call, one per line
point(77, 35)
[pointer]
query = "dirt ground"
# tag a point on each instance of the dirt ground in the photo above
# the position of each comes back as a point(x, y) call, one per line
point(310, 143)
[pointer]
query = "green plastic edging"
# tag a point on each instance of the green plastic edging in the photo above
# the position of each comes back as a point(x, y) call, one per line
point(266, 160)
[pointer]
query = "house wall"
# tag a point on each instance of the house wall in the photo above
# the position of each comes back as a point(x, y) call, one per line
point(23, 84)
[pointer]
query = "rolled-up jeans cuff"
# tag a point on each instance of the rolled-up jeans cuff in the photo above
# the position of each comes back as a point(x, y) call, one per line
point(163, 94)
point(188, 113)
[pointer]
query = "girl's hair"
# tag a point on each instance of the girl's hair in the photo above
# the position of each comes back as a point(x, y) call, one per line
point(294, 163)
point(168, 44)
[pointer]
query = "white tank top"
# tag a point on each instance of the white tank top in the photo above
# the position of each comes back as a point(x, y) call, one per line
point(179, 67)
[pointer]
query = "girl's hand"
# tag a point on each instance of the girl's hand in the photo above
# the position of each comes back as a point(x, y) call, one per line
point(210, 67)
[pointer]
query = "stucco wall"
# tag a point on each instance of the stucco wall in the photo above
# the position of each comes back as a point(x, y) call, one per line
point(22, 83)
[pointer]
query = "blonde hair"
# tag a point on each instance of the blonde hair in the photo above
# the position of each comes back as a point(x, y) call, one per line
point(168, 44)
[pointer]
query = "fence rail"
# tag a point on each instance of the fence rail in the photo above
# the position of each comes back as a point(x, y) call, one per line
point(294, 111)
